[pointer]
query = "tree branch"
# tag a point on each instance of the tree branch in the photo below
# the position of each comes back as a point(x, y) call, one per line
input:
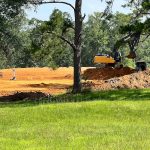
point(67, 41)
point(64, 39)
point(48, 2)
point(83, 17)
point(145, 38)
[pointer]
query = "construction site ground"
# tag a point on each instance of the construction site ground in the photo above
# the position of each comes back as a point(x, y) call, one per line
point(47, 80)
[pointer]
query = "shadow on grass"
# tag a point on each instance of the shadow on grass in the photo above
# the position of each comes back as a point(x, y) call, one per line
point(136, 94)
point(115, 95)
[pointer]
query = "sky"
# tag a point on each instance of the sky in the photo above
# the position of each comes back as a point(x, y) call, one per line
point(89, 7)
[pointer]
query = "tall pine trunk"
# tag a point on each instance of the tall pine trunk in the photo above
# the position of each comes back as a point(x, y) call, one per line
point(77, 49)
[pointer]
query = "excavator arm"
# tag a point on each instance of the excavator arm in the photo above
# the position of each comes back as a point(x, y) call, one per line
point(132, 40)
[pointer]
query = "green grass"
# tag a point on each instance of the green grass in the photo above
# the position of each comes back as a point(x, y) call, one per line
point(114, 120)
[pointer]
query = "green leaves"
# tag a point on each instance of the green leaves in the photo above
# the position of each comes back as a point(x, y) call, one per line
point(47, 48)
point(146, 4)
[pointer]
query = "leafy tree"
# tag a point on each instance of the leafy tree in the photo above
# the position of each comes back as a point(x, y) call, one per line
point(48, 49)
point(139, 25)
point(14, 43)
point(11, 17)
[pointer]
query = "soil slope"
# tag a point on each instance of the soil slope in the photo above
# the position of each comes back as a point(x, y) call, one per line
point(110, 78)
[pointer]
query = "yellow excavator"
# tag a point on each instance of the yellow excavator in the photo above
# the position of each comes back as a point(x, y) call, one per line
point(116, 59)
point(105, 60)
point(108, 61)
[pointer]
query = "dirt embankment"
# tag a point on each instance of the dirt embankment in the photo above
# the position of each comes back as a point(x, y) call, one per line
point(106, 73)
point(110, 78)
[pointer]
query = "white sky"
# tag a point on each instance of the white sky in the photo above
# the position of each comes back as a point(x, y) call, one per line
point(89, 7)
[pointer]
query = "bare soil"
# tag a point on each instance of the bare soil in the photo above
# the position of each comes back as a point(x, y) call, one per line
point(53, 82)
point(119, 78)
point(44, 80)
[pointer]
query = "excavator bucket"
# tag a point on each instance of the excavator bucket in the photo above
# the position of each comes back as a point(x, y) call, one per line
point(132, 55)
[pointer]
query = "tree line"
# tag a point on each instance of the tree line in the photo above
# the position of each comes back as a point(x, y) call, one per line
point(35, 42)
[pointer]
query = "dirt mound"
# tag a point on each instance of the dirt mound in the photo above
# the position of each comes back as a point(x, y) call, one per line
point(106, 73)
point(134, 80)
point(23, 95)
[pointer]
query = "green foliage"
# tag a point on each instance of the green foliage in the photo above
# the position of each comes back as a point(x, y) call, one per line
point(3, 60)
point(10, 8)
point(140, 22)
point(58, 22)
point(12, 23)
point(143, 51)
point(30, 43)
point(47, 48)
point(146, 4)
point(15, 45)
point(129, 63)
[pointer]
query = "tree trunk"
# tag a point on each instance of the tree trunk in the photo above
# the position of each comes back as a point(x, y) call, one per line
point(77, 71)
point(77, 49)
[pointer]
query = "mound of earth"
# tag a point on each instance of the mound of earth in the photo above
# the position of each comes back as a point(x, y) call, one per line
point(106, 73)
point(23, 95)
point(105, 79)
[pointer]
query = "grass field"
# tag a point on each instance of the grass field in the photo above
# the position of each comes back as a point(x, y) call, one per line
point(115, 120)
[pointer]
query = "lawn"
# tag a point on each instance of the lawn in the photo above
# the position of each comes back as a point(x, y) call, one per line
point(113, 120)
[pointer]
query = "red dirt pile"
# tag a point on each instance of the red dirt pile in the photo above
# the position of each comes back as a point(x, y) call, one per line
point(107, 79)
point(106, 73)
